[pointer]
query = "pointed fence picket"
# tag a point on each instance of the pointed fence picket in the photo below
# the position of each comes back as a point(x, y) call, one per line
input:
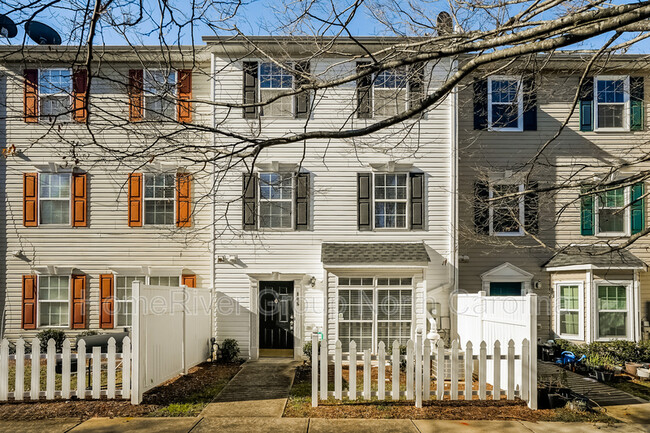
point(470, 366)
point(58, 365)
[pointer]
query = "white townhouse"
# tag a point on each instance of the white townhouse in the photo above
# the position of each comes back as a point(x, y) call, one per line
point(355, 238)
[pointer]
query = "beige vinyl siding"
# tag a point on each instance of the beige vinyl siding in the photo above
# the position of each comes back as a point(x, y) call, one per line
point(107, 242)
point(334, 165)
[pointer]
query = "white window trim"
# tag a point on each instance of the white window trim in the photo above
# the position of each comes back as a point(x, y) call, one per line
point(260, 200)
point(68, 302)
point(407, 201)
point(629, 303)
point(145, 199)
point(375, 304)
point(520, 103)
point(146, 94)
point(39, 200)
point(260, 90)
point(581, 310)
point(522, 213)
point(66, 117)
point(626, 216)
point(626, 103)
point(407, 89)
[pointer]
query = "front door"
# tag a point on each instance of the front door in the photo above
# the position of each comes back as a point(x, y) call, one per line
point(276, 318)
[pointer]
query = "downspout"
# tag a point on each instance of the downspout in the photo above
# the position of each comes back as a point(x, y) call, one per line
point(213, 275)
point(454, 202)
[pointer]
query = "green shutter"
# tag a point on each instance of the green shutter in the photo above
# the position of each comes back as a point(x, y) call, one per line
point(637, 214)
point(586, 213)
point(636, 103)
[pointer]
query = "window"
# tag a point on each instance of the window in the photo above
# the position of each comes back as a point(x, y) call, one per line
point(612, 102)
point(159, 192)
point(373, 310)
point(612, 212)
point(55, 90)
point(390, 92)
point(276, 200)
point(612, 306)
point(165, 281)
point(505, 103)
point(160, 94)
point(506, 210)
point(54, 198)
point(124, 299)
point(274, 81)
point(54, 301)
point(391, 199)
point(569, 310)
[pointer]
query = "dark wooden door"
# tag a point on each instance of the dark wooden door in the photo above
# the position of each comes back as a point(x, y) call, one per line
point(276, 315)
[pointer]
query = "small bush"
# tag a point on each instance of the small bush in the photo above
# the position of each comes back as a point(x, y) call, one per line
point(88, 333)
point(230, 350)
point(402, 362)
point(56, 334)
point(306, 350)
point(609, 353)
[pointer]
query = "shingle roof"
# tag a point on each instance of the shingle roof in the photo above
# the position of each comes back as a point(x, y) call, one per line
point(374, 252)
point(600, 257)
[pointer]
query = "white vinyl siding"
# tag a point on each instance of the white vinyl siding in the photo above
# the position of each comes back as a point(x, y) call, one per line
point(54, 198)
point(54, 301)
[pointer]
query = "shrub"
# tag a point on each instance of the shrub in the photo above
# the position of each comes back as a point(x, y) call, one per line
point(88, 333)
point(402, 362)
point(56, 334)
point(230, 350)
point(306, 350)
point(609, 353)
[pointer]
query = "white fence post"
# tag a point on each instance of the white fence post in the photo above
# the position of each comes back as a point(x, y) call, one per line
point(136, 385)
point(367, 373)
point(511, 370)
point(418, 368)
point(184, 322)
point(323, 369)
point(482, 370)
point(496, 385)
point(426, 370)
point(110, 369)
point(4, 370)
point(395, 370)
point(525, 360)
point(532, 377)
point(352, 372)
point(126, 367)
point(19, 389)
point(440, 371)
point(50, 363)
point(338, 370)
point(469, 365)
point(314, 369)
point(410, 355)
point(454, 370)
point(81, 369)
point(381, 371)
point(65, 369)
point(97, 372)
point(35, 388)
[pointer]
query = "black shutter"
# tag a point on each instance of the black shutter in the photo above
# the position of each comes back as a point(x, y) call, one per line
point(530, 104)
point(302, 201)
point(416, 84)
point(302, 99)
point(587, 104)
point(480, 104)
point(364, 93)
point(250, 89)
point(364, 198)
point(531, 208)
point(249, 200)
point(417, 201)
point(482, 208)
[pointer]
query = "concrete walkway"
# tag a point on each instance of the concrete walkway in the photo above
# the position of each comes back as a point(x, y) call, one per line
point(260, 389)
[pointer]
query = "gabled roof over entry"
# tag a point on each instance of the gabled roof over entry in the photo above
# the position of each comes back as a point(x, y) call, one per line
point(596, 257)
point(506, 272)
point(398, 253)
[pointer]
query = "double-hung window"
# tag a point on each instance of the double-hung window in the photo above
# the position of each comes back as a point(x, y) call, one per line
point(54, 301)
point(165, 281)
point(374, 309)
point(274, 81)
point(612, 101)
point(612, 304)
point(160, 94)
point(124, 299)
point(55, 93)
point(506, 210)
point(505, 103)
point(54, 198)
point(159, 193)
point(276, 200)
point(390, 92)
point(391, 200)
point(612, 215)
point(569, 314)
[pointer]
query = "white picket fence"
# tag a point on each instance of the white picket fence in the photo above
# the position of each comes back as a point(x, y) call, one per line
point(421, 360)
point(19, 362)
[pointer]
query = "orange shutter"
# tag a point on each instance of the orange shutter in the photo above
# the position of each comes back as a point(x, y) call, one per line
point(29, 302)
point(135, 200)
point(79, 200)
point(183, 200)
point(189, 280)
point(106, 301)
point(78, 307)
point(30, 199)
point(30, 101)
point(80, 95)
point(184, 106)
point(136, 99)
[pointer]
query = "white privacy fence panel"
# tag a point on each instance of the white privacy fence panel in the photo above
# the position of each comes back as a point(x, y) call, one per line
point(171, 333)
point(498, 318)
point(469, 370)
point(29, 374)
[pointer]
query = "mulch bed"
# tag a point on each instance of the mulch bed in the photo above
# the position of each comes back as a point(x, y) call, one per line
point(170, 392)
